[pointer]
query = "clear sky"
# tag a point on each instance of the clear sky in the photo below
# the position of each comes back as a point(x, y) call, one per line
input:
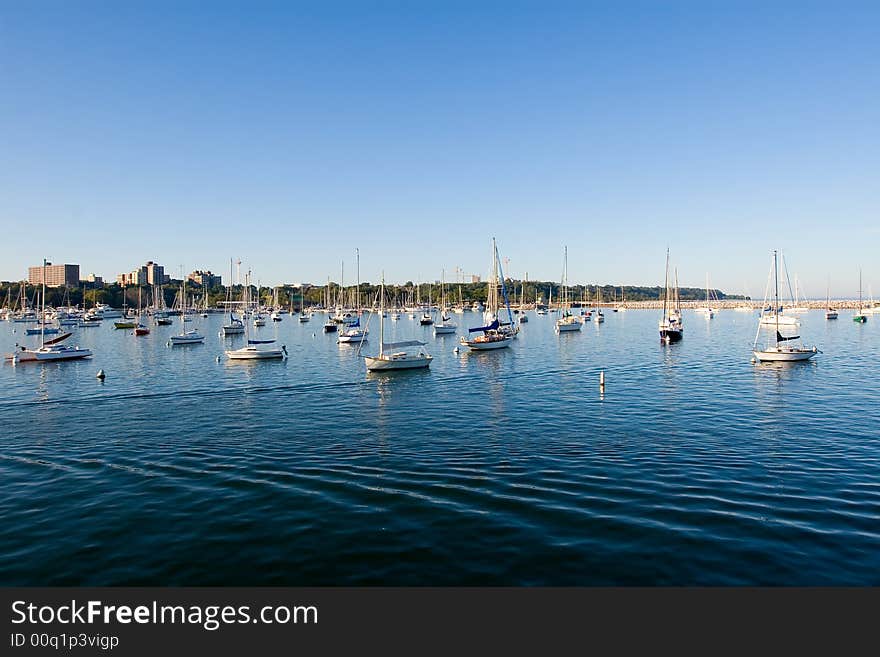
point(289, 134)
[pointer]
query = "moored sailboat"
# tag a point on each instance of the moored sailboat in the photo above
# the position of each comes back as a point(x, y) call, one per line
point(395, 355)
point(860, 316)
point(495, 335)
point(780, 348)
point(49, 350)
point(567, 322)
point(671, 328)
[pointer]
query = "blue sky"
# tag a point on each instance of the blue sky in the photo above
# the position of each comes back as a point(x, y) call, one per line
point(288, 135)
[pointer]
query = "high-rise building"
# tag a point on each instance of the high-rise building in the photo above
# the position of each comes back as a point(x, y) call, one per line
point(56, 275)
point(155, 273)
point(205, 278)
point(148, 274)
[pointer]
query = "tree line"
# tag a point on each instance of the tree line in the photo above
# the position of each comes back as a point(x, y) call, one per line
point(290, 296)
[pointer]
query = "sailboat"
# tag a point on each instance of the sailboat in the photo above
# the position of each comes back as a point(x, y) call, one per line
point(774, 315)
point(671, 328)
point(353, 333)
point(523, 316)
point(256, 350)
point(185, 337)
point(780, 348)
point(394, 355)
point(304, 315)
point(860, 316)
point(459, 308)
point(426, 319)
point(126, 323)
point(567, 322)
point(830, 313)
point(445, 326)
point(872, 308)
point(798, 308)
point(599, 316)
point(706, 310)
point(329, 326)
point(275, 315)
point(622, 305)
point(49, 350)
point(539, 308)
point(140, 329)
point(494, 334)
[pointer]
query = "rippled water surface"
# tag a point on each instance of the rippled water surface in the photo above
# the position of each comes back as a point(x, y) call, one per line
point(506, 467)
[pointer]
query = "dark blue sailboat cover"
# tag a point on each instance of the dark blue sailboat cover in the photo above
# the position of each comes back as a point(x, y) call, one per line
point(494, 325)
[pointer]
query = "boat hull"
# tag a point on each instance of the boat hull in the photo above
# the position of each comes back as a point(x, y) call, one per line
point(487, 346)
point(671, 335)
point(568, 328)
point(375, 364)
point(50, 354)
point(783, 355)
point(444, 330)
point(186, 339)
point(250, 353)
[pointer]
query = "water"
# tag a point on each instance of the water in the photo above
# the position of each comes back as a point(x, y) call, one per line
point(696, 467)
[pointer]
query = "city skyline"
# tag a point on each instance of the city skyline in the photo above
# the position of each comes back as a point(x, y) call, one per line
point(290, 137)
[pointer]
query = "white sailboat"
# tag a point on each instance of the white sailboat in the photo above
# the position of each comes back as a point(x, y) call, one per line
point(599, 316)
point(395, 355)
point(445, 326)
point(494, 334)
point(353, 333)
point(567, 322)
point(523, 314)
point(872, 308)
point(797, 308)
point(185, 337)
point(774, 315)
point(706, 310)
point(780, 348)
point(49, 350)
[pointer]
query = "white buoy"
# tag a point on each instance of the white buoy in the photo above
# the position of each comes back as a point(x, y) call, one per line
point(602, 379)
point(455, 350)
point(101, 375)
point(218, 359)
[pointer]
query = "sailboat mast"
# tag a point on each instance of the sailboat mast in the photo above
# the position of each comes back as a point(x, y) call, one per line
point(776, 288)
point(666, 291)
point(358, 291)
point(382, 316)
point(860, 290)
point(43, 313)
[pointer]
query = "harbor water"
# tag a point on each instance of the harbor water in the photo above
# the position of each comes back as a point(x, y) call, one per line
point(694, 466)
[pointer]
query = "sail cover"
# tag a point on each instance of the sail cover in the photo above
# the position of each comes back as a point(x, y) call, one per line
point(781, 338)
point(60, 338)
point(401, 345)
point(494, 325)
